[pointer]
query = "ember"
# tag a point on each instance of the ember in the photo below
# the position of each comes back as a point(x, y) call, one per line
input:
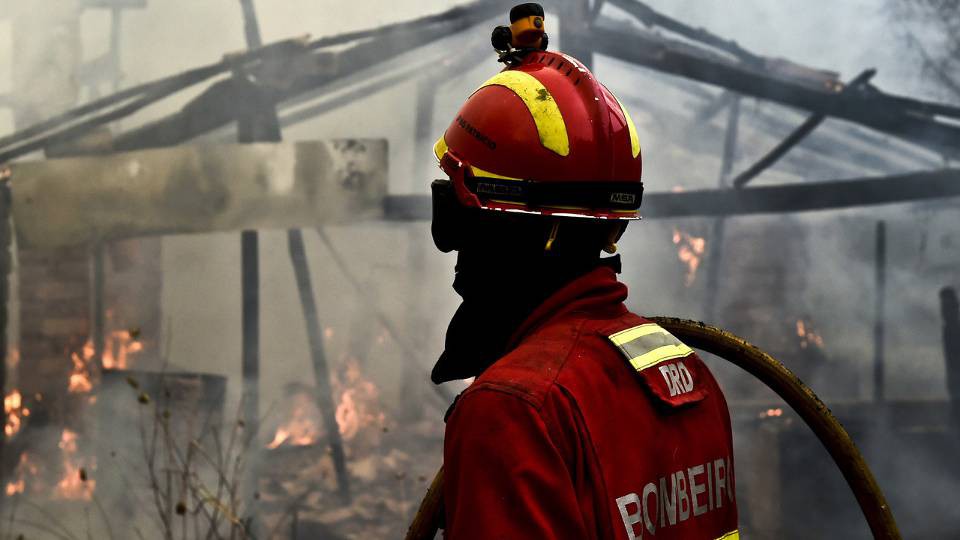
point(772, 413)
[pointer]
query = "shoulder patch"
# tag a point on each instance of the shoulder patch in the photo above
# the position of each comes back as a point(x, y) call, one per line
point(648, 344)
point(666, 365)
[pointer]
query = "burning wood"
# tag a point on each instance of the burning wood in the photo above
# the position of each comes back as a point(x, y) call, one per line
point(74, 483)
point(300, 492)
point(358, 408)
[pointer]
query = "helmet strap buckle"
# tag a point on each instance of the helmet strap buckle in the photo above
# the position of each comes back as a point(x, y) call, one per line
point(552, 237)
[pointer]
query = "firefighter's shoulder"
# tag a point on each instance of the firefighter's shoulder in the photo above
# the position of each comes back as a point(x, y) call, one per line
point(531, 369)
point(669, 368)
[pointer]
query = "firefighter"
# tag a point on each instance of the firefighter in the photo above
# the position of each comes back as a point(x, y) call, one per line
point(584, 420)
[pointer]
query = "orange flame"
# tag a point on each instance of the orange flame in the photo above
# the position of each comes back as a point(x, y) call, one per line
point(808, 336)
point(24, 468)
point(357, 409)
point(16, 486)
point(690, 251)
point(15, 412)
point(359, 400)
point(79, 381)
point(302, 428)
point(74, 484)
point(118, 349)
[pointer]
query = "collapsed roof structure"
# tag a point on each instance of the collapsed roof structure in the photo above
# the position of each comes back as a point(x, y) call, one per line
point(292, 73)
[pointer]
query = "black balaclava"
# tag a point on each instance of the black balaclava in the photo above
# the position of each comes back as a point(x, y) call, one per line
point(503, 274)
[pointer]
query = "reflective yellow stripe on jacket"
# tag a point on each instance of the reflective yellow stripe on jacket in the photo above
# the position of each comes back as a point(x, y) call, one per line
point(649, 344)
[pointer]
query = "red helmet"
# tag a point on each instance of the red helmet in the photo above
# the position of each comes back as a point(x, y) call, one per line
point(544, 136)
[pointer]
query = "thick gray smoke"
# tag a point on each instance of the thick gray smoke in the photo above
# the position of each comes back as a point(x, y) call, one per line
point(801, 286)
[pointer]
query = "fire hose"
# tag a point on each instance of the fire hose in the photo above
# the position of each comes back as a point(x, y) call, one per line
point(781, 380)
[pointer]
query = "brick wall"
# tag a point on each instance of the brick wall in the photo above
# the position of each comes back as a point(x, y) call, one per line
point(54, 320)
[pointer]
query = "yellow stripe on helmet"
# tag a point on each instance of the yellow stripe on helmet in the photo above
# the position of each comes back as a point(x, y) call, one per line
point(440, 148)
point(634, 137)
point(546, 115)
point(477, 171)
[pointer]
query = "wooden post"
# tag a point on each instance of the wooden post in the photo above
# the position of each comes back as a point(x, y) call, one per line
point(98, 253)
point(251, 127)
point(264, 125)
point(321, 371)
point(950, 312)
point(715, 249)
point(98, 321)
point(575, 17)
point(5, 267)
point(879, 324)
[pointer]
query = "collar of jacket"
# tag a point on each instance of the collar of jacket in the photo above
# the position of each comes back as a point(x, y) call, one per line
point(596, 293)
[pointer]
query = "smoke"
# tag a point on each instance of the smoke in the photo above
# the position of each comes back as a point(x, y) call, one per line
point(774, 272)
point(816, 267)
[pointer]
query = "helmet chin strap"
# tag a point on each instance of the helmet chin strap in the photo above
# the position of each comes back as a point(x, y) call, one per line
point(609, 247)
point(615, 233)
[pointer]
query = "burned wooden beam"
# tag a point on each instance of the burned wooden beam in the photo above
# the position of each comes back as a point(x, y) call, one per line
point(288, 69)
point(218, 107)
point(801, 197)
point(651, 17)
point(196, 189)
point(829, 152)
point(804, 197)
point(912, 120)
point(62, 127)
point(795, 137)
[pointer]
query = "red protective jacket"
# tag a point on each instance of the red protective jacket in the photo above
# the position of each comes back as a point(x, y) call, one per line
point(597, 424)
